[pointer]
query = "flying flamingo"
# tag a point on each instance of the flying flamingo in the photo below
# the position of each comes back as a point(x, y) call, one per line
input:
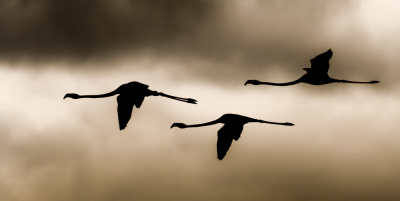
point(316, 75)
point(230, 131)
point(130, 94)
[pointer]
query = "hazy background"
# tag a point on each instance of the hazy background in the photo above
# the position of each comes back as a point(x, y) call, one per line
point(345, 144)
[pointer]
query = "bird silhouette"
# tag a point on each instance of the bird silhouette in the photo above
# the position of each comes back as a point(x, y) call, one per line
point(316, 75)
point(230, 131)
point(130, 94)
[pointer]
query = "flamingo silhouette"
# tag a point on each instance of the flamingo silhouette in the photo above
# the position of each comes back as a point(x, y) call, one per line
point(230, 131)
point(130, 94)
point(316, 75)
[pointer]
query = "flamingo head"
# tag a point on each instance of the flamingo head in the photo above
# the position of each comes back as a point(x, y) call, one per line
point(179, 125)
point(288, 124)
point(253, 82)
point(71, 95)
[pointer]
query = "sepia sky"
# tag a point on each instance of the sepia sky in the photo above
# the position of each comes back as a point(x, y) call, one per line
point(345, 144)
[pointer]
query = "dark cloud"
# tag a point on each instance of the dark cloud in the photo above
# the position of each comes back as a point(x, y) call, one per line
point(84, 28)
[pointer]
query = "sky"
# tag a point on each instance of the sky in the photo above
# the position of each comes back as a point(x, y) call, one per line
point(344, 145)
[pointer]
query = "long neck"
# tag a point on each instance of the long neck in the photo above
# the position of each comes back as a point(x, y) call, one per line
point(203, 124)
point(282, 84)
point(100, 95)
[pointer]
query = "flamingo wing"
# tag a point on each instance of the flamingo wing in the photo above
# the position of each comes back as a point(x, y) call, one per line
point(226, 135)
point(320, 63)
point(138, 100)
point(125, 107)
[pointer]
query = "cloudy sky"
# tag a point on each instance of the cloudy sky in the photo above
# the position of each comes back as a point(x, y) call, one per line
point(344, 145)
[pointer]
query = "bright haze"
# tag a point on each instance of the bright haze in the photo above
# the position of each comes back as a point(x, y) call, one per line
point(344, 146)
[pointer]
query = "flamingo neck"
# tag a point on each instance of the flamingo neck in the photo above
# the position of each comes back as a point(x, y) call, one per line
point(282, 84)
point(203, 124)
point(99, 96)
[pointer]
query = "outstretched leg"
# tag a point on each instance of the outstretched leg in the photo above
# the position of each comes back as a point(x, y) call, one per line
point(347, 81)
point(187, 100)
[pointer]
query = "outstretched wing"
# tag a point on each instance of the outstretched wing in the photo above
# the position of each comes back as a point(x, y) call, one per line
point(320, 63)
point(138, 100)
point(226, 135)
point(125, 107)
